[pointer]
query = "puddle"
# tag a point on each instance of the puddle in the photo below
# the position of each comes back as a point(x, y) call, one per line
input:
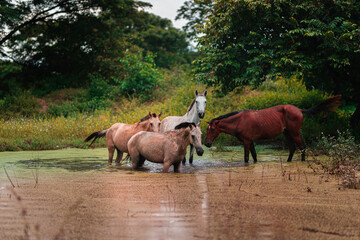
point(78, 196)
point(96, 159)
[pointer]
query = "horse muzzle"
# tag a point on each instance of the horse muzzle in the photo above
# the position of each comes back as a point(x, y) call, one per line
point(208, 144)
point(199, 151)
point(201, 115)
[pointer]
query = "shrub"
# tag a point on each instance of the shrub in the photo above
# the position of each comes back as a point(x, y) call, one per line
point(342, 158)
point(20, 103)
point(140, 74)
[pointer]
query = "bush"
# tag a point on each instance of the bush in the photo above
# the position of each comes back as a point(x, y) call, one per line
point(20, 103)
point(140, 75)
point(342, 158)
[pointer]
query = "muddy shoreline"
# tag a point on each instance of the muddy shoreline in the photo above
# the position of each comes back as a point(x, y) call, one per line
point(267, 200)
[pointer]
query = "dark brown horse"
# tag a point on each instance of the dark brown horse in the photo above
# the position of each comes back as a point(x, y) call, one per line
point(251, 125)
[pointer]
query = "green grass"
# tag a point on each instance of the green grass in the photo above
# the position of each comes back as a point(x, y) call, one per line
point(171, 97)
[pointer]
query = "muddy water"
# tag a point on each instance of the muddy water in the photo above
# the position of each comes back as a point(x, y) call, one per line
point(73, 194)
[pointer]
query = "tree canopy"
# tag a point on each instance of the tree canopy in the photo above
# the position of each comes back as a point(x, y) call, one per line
point(56, 44)
point(243, 42)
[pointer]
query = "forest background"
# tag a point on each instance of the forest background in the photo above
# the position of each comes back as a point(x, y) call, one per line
point(69, 68)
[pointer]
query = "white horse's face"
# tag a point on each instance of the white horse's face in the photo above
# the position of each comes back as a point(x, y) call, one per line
point(200, 106)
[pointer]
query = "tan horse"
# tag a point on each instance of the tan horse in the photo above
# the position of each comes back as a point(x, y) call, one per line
point(118, 135)
point(168, 147)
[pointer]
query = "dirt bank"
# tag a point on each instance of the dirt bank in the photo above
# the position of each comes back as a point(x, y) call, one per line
point(262, 201)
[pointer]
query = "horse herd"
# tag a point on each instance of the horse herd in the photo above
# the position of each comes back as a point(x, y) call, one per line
point(166, 141)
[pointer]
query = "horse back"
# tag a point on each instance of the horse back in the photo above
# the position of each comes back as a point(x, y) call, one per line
point(120, 133)
point(150, 145)
point(270, 122)
point(170, 123)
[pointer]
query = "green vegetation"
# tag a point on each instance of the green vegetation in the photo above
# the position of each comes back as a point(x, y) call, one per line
point(68, 127)
point(244, 42)
point(70, 68)
point(341, 158)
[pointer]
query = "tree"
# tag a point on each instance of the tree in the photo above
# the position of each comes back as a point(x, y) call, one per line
point(158, 35)
point(245, 41)
point(195, 12)
point(58, 43)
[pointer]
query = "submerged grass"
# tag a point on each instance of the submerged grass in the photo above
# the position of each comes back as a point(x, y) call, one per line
point(172, 97)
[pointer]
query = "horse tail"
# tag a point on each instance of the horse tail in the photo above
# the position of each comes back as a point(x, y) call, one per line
point(95, 136)
point(327, 105)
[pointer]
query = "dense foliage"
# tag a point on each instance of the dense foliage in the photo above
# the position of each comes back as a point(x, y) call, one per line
point(244, 42)
point(53, 45)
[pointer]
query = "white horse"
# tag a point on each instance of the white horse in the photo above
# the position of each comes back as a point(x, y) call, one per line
point(194, 114)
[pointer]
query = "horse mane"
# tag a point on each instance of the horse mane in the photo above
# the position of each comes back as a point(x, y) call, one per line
point(147, 117)
point(224, 116)
point(185, 124)
point(193, 102)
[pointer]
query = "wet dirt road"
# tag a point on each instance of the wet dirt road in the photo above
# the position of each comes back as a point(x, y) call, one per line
point(211, 200)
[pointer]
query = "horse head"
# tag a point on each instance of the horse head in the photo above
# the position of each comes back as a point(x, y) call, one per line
point(196, 139)
point(212, 132)
point(154, 122)
point(195, 135)
point(200, 101)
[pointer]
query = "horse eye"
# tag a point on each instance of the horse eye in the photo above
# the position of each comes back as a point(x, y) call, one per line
point(151, 124)
point(159, 124)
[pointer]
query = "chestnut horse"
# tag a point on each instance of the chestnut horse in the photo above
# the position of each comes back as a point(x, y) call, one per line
point(251, 125)
point(118, 135)
point(168, 147)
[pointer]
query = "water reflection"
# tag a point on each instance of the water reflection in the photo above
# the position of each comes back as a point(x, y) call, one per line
point(88, 159)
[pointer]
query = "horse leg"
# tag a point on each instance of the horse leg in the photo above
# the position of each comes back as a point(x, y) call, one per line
point(253, 152)
point(291, 144)
point(135, 158)
point(166, 166)
point(141, 161)
point(111, 150)
point(177, 167)
point(184, 160)
point(192, 149)
point(246, 151)
point(298, 140)
point(118, 156)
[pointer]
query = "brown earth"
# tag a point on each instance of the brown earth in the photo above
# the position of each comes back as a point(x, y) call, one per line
point(262, 201)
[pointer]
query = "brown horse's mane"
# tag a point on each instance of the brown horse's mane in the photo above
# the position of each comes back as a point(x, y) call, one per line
point(193, 102)
point(184, 125)
point(224, 116)
point(147, 117)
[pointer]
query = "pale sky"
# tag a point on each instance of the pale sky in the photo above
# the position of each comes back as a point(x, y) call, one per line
point(167, 9)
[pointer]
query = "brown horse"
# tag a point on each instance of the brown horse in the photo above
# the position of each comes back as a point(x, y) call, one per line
point(168, 147)
point(118, 135)
point(251, 125)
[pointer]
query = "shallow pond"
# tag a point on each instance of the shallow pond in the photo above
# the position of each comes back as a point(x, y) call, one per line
point(74, 194)
point(96, 159)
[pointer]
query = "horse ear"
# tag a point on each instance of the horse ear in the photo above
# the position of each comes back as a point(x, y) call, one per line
point(159, 114)
point(196, 92)
point(150, 115)
point(205, 93)
point(198, 125)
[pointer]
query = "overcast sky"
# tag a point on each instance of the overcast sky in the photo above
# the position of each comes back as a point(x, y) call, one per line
point(167, 9)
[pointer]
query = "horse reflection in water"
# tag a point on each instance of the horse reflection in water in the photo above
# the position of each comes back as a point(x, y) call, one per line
point(168, 147)
point(251, 125)
point(118, 135)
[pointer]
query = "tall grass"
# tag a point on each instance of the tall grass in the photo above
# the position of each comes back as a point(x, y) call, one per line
point(172, 98)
